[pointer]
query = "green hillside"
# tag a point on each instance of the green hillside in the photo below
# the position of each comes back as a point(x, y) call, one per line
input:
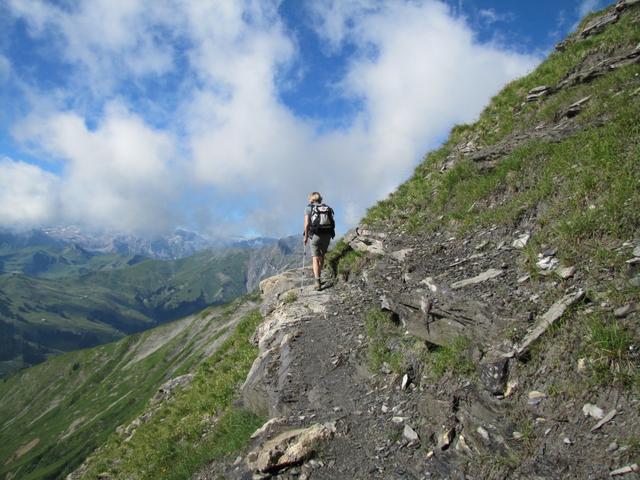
point(49, 261)
point(54, 414)
point(40, 316)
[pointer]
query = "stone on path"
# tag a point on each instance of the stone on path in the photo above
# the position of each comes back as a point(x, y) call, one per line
point(605, 420)
point(521, 241)
point(483, 432)
point(445, 438)
point(626, 310)
point(401, 255)
point(566, 272)
point(535, 397)
point(483, 277)
point(430, 283)
point(547, 263)
point(554, 313)
point(405, 382)
point(624, 470)
point(592, 410)
point(410, 434)
point(289, 448)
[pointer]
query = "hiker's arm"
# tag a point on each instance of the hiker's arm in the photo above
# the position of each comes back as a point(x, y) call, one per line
point(306, 228)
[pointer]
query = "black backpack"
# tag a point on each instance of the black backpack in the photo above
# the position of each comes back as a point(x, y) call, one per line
point(322, 219)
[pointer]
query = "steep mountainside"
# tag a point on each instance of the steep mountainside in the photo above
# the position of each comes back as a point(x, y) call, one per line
point(61, 299)
point(484, 320)
point(54, 414)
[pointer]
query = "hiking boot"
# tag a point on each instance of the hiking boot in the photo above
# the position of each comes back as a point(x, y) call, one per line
point(318, 286)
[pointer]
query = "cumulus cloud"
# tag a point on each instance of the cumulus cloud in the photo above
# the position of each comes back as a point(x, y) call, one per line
point(248, 158)
point(28, 194)
point(118, 175)
point(427, 73)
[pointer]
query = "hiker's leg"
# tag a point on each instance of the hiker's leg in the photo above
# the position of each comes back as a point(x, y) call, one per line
point(320, 264)
point(317, 266)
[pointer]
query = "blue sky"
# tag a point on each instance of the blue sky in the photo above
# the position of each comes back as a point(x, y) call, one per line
point(142, 116)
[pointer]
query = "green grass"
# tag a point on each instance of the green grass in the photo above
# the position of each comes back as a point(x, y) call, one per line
point(452, 358)
point(469, 196)
point(290, 297)
point(342, 260)
point(383, 338)
point(609, 347)
point(388, 344)
point(98, 388)
point(199, 425)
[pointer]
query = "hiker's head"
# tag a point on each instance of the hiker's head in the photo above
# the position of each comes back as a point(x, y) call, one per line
point(315, 197)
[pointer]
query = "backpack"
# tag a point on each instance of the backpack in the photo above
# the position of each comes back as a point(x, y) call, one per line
point(322, 219)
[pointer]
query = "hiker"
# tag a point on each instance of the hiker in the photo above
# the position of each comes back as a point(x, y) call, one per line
point(320, 227)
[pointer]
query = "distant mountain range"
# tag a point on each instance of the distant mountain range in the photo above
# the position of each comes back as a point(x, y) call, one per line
point(61, 290)
point(181, 243)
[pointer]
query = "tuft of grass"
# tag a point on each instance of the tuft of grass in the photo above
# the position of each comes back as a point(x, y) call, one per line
point(343, 261)
point(290, 297)
point(384, 346)
point(610, 347)
point(453, 358)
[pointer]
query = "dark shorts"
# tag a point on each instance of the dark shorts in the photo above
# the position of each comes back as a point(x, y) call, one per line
point(320, 244)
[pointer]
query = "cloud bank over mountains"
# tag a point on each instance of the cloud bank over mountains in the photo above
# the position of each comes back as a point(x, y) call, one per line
point(160, 114)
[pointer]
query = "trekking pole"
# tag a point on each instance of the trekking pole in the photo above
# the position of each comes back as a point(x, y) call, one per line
point(304, 256)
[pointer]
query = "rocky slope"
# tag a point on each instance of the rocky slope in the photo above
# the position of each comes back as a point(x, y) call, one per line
point(485, 323)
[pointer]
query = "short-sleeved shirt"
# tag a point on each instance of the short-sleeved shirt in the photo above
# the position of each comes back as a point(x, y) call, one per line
point(307, 209)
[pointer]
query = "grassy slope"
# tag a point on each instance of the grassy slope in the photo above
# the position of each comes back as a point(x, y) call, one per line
point(72, 402)
point(48, 261)
point(582, 193)
point(40, 316)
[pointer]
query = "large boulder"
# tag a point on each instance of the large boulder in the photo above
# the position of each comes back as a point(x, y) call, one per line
point(289, 448)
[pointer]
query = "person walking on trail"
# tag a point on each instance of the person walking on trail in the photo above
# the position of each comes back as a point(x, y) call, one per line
point(319, 226)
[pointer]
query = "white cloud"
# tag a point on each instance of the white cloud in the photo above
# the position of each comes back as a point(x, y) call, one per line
point(28, 194)
point(119, 175)
point(490, 16)
point(426, 74)
point(587, 6)
point(334, 19)
point(417, 70)
point(107, 40)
